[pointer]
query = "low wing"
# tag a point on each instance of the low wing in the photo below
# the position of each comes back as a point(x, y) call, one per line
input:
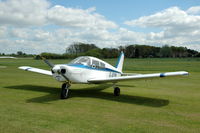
point(130, 74)
point(37, 70)
point(137, 76)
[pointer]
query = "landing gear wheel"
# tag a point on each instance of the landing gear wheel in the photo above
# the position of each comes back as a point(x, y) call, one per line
point(64, 91)
point(116, 91)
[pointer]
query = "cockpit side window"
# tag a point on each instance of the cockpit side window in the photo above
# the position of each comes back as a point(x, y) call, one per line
point(95, 64)
point(102, 65)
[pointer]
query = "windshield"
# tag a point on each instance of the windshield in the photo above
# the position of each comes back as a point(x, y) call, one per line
point(81, 60)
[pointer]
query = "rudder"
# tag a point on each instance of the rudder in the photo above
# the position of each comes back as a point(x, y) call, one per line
point(120, 62)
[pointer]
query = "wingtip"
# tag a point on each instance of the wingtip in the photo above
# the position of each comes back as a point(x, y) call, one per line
point(186, 73)
point(23, 67)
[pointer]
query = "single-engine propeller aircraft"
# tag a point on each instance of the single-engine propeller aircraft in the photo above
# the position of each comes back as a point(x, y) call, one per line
point(91, 70)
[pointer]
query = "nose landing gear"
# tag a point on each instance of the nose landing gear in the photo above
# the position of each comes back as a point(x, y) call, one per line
point(116, 91)
point(65, 91)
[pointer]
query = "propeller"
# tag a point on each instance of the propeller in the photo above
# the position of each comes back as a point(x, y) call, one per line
point(47, 62)
point(60, 71)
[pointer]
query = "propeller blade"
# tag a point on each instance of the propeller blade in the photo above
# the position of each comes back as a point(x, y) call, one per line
point(65, 77)
point(47, 62)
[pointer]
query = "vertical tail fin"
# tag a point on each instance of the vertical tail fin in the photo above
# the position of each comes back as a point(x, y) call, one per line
point(120, 62)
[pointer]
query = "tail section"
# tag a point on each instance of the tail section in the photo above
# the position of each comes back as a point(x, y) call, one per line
point(120, 62)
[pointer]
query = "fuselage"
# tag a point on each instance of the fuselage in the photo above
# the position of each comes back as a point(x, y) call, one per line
point(83, 68)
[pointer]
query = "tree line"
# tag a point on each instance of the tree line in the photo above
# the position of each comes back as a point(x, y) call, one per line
point(18, 54)
point(131, 51)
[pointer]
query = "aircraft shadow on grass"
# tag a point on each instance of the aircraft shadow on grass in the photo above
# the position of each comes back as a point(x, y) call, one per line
point(92, 92)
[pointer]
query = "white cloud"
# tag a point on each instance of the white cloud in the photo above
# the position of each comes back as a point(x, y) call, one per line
point(79, 18)
point(23, 12)
point(194, 10)
point(128, 36)
point(36, 26)
point(19, 33)
point(22, 25)
point(3, 30)
point(171, 17)
point(178, 27)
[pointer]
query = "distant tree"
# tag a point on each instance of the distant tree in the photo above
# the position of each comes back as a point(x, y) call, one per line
point(191, 53)
point(37, 57)
point(110, 52)
point(52, 56)
point(137, 52)
point(19, 53)
point(78, 48)
point(198, 55)
point(165, 51)
point(105, 52)
point(142, 51)
point(130, 51)
point(94, 52)
point(114, 52)
point(122, 48)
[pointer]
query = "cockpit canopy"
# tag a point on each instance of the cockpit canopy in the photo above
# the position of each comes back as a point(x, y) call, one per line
point(87, 61)
point(81, 60)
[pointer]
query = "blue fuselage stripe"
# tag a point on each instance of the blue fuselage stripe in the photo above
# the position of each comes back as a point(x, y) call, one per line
point(88, 67)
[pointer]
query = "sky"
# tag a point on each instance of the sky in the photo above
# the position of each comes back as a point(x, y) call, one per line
point(35, 26)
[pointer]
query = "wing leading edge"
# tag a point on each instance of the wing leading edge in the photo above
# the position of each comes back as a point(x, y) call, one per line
point(138, 76)
point(37, 70)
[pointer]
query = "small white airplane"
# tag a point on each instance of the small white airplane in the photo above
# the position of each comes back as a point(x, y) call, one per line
point(7, 57)
point(91, 70)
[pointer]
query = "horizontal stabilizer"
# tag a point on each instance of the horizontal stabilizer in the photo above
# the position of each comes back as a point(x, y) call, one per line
point(37, 70)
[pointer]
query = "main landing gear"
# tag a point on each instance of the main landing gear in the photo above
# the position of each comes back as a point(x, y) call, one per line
point(65, 91)
point(116, 91)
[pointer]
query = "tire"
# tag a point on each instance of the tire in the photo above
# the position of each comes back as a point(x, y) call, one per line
point(64, 91)
point(116, 91)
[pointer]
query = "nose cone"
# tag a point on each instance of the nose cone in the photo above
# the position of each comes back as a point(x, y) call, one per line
point(60, 72)
point(56, 69)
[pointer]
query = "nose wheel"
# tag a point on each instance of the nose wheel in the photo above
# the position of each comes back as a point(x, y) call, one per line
point(116, 91)
point(65, 91)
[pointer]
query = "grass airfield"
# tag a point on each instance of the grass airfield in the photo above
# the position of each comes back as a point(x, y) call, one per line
point(30, 103)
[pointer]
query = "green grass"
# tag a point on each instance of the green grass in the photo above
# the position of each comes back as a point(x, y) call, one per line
point(29, 102)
